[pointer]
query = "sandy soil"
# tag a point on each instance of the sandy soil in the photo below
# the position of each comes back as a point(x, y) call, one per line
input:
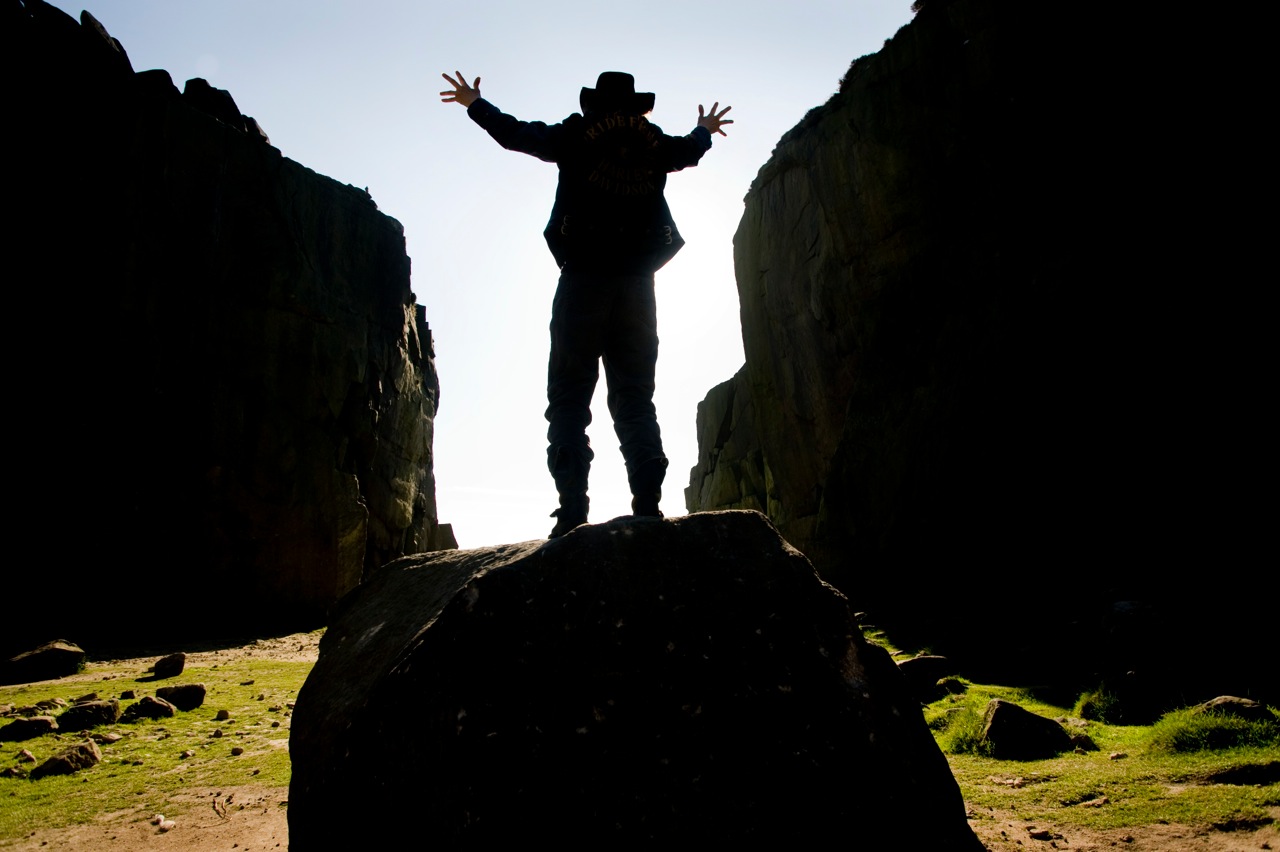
point(256, 818)
point(1003, 832)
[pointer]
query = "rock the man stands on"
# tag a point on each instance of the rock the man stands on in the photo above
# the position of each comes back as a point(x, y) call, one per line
point(610, 231)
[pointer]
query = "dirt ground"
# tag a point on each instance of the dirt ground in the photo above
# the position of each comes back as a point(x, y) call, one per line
point(257, 818)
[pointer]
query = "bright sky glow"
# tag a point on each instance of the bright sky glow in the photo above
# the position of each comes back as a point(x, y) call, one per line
point(349, 90)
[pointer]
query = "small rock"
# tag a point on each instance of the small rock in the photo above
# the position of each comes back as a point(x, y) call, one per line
point(80, 756)
point(1083, 743)
point(1117, 755)
point(217, 733)
point(148, 707)
point(167, 825)
point(170, 666)
point(128, 695)
point(185, 696)
point(89, 714)
point(1040, 834)
point(27, 728)
point(237, 751)
point(25, 756)
point(92, 696)
point(109, 738)
point(189, 753)
point(1241, 708)
point(222, 716)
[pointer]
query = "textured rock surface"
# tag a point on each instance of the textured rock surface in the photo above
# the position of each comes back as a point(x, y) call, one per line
point(966, 295)
point(232, 392)
point(80, 756)
point(50, 660)
point(1015, 733)
point(640, 681)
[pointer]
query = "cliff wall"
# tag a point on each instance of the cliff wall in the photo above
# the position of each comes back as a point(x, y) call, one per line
point(988, 349)
point(224, 385)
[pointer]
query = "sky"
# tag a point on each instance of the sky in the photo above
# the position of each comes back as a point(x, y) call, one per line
point(351, 90)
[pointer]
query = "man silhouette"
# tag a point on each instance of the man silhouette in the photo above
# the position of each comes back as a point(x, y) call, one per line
point(610, 230)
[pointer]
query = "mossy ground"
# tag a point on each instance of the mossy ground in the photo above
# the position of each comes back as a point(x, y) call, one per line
point(155, 761)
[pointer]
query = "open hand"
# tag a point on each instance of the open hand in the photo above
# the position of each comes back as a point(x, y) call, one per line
point(464, 94)
point(711, 121)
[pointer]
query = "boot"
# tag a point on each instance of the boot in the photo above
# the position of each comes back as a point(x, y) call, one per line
point(646, 488)
point(570, 474)
point(572, 513)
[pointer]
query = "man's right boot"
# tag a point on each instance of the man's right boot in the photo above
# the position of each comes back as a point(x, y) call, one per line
point(646, 488)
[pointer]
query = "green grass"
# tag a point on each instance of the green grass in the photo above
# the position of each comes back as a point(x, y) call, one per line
point(1160, 778)
point(146, 769)
point(1187, 731)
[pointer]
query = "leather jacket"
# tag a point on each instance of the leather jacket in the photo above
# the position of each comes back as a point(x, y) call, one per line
point(609, 209)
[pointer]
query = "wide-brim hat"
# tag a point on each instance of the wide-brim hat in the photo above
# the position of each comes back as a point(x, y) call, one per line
point(616, 90)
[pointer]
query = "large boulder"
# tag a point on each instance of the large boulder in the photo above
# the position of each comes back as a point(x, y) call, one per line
point(636, 681)
point(51, 660)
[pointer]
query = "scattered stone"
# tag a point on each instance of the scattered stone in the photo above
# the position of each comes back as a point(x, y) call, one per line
point(275, 724)
point(89, 714)
point(92, 696)
point(1117, 755)
point(237, 751)
point(1241, 708)
point(51, 704)
point(25, 756)
point(185, 696)
point(170, 666)
point(78, 757)
point(148, 707)
point(1040, 834)
point(13, 772)
point(217, 733)
point(189, 753)
point(246, 683)
point(222, 716)
point(27, 728)
point(1083, 743)
point(1015, 733)
point(49, 661)
point(109, 738)
point(1096, 803)
point(128, 695)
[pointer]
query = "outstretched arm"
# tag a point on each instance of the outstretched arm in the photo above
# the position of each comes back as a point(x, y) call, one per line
point(711, 121)
point(467, 95)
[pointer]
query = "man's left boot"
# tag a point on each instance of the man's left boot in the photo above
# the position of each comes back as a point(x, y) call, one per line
point(646, 488)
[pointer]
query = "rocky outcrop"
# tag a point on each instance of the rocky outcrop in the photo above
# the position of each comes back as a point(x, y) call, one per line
point(960, 284)
point(224, 384)
point(897, 265)
point(640, 681)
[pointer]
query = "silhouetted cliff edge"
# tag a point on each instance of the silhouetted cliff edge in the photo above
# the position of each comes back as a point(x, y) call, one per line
point(981, 388)
point(223, 388)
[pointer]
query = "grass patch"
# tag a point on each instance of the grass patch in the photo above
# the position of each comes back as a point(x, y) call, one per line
point(1189, 731)
point(156, 761)
point(1138, 777)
